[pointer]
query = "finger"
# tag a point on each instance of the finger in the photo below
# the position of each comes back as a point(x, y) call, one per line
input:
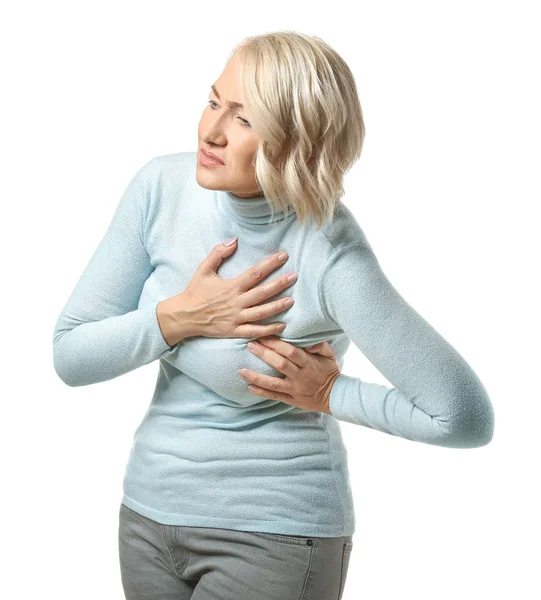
point(293, 353)
point(213, 261)
point(322, 348)
point(267, 382)
point(250, 330)
point(266, 290)
point(271, 395)
point(281, 363)
point(263, 311)
point(259, 271)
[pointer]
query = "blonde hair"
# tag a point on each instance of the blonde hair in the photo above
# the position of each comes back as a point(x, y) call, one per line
point(301, 98)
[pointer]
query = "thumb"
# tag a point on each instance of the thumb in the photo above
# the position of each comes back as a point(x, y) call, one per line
point(218, 253)
point(323, 348)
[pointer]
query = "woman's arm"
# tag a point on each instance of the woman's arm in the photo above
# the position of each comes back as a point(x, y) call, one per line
point(100, 333)
point(437, 398)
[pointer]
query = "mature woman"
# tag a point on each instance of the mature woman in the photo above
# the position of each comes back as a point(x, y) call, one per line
point(237, 484)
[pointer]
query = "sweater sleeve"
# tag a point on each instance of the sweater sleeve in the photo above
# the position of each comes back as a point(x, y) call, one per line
point(436, 397)
point(101, 333)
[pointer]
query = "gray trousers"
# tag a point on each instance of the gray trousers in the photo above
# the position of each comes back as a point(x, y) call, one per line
point(169, 562)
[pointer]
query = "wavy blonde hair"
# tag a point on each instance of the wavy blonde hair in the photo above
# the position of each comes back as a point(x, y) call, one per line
point(301, 98)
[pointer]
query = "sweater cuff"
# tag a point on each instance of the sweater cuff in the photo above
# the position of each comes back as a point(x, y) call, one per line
point(158, 335)
point(344, 393)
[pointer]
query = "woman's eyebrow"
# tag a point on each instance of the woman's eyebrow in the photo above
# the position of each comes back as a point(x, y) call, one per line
point(230, 103)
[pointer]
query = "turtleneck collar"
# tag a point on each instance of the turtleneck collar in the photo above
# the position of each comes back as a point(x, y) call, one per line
point(250, 210)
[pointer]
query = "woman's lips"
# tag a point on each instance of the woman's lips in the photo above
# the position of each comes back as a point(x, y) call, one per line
point(209, 160)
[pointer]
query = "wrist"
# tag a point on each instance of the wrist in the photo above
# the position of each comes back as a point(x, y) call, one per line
point(173, 320)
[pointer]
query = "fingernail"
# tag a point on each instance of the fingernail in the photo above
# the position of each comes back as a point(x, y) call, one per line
point(231, 241)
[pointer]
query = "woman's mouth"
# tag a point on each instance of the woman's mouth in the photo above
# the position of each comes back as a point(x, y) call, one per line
point(209, 161)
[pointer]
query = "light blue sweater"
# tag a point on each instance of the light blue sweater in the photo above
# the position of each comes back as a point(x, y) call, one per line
point(208, 452)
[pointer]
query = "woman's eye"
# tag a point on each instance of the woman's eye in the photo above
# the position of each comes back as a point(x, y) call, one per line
point(244, 122)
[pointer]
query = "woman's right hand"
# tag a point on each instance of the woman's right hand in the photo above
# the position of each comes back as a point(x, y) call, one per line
point(214, 307)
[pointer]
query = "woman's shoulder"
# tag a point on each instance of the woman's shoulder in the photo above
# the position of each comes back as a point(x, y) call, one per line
point(343, 230)
point(176, 163)
point(166, 178)
point(164, 168)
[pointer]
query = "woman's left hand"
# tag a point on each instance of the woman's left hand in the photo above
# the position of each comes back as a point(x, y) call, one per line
point(310, 373)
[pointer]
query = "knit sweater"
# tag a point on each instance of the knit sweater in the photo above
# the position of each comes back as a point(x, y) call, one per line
point(208, 452)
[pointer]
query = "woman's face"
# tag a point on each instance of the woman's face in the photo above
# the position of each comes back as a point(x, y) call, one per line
point(225, 131)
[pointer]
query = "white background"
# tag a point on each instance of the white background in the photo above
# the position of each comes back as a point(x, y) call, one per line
point(446, 190)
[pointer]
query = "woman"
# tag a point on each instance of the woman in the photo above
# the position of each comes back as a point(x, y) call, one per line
point(237, 484)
